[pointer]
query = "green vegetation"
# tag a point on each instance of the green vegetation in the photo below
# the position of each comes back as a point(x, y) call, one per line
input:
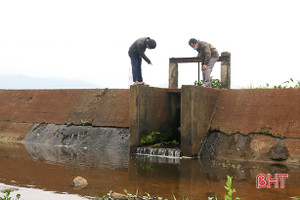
point(215, 83)
point(147, 196)
point(108, 197)
point(7, 196)
point(286, 84)
point(151, 138)
point(70, 124)
point(136, 196)
point(132, 196)
point(85, 123)
point(296, 197)
point(230, 191)
point(174, 198)
point(226, 165)
point(157, 137)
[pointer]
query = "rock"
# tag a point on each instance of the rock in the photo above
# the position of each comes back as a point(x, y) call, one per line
point(118, 196)
point(278, 152)
point(187, 157)
point(79, 182)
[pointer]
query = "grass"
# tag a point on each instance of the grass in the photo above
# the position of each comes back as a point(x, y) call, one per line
point(291, 83)
point(147, 196)
point(7, 196)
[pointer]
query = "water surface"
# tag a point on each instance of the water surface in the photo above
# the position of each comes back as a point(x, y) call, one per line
point(41, 169)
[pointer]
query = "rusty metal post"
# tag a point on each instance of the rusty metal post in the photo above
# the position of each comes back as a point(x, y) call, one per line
point(173, 75)
point(226, 70)
point(198, 72)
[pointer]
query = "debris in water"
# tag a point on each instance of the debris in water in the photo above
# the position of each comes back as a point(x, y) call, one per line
point(79, 182)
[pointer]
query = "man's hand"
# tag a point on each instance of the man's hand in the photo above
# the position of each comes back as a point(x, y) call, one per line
point(150, 63)
point(204, 67)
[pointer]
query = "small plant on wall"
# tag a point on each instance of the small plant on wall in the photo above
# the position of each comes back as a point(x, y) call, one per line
point(215, 83)
point(85, 123)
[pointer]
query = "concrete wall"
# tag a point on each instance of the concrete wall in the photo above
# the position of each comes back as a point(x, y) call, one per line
point(269, 117)
point(152, 109)
point(259, 114)
point(101, 107)
point(20, 109)
point(274, 111)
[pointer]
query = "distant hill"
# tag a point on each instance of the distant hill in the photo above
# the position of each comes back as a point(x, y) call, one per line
point(26, 82)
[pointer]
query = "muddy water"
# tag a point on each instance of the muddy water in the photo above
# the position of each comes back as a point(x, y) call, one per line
point(44, 168)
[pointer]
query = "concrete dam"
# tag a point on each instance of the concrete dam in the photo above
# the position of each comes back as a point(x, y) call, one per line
point(259, 124)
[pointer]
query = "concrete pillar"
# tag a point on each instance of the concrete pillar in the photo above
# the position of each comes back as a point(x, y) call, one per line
point(134, 139)
point(152, 109)
point(226, 70)
point(197, 108)
point(173, 75)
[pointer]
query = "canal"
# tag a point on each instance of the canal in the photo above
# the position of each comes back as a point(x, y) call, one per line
point(37, 171)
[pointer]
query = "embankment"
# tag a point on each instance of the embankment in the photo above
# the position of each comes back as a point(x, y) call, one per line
point(41, 115)
point(260, 124)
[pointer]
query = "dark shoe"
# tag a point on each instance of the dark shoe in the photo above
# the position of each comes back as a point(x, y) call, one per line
point(138, 83)
point(143, 83)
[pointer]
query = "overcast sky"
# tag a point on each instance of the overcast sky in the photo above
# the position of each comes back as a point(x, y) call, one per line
point(89, 39)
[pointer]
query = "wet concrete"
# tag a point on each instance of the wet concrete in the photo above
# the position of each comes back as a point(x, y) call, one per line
point(87, 137)
point(53, 169)
point(254, 146)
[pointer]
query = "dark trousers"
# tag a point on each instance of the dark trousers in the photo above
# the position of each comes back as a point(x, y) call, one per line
point(136, 63)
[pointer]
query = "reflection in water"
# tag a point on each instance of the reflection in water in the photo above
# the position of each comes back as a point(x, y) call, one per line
point(53, 169)
point(80, 156)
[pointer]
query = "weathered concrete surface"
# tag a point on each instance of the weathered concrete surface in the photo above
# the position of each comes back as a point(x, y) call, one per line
point(226, 70)
point(152, 109)
point(256, 147)
point(100, 107)
point(273, 111)
point(173, 75)
point(197, 108)
point(256, 121)
point(88, 137)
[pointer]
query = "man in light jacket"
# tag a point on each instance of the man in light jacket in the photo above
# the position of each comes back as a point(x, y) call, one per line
point(209, 56)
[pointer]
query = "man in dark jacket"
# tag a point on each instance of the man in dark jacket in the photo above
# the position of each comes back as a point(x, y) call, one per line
point(209, 56)
point(136, 53)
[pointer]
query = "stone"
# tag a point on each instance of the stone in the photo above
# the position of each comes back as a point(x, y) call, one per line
point(79, 182)
point(118, 196)
point(278, 152)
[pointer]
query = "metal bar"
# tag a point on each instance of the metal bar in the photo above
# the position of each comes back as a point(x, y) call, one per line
point(195, 59)
point(198, 72)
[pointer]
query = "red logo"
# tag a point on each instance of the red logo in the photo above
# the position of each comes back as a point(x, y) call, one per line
point(264, 181)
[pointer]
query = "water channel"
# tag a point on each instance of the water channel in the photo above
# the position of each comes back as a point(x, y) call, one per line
point(44, 172)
